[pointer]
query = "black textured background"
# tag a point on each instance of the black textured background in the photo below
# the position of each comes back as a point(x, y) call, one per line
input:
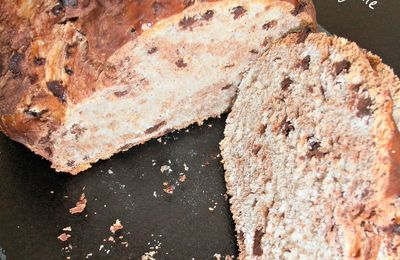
point(192, 222)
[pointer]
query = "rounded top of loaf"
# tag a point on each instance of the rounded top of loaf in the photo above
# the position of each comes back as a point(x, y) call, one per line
point(54, 54)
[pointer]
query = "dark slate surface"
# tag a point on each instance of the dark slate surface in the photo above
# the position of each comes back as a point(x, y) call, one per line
point(194, 221)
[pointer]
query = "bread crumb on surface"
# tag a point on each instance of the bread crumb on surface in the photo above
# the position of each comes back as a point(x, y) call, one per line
point(182, 177)
point(116, 226)
point(169, 188)
point(80, 205)
point(64, 237)
point(165, 168)
point(149, 255)
point(67, 229)
point(185, 167)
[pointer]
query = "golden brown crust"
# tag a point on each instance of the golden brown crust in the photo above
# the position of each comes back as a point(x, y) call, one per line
point(52, 53)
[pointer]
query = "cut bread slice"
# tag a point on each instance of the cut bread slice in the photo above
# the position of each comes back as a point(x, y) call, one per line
point(312, 153)
point(100, 77)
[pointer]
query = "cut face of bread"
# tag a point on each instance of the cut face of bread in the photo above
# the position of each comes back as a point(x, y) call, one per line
point(312, 153)
point(94, 79)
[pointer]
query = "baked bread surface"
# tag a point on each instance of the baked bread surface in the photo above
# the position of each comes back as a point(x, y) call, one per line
point(81, 80)
point(312, 152)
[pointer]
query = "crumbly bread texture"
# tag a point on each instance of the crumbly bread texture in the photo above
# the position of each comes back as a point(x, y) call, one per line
point(82, 80)
point(312, 153)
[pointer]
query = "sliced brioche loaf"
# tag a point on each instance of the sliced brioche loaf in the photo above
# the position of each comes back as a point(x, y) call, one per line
point(81, 80)
point(312, 153)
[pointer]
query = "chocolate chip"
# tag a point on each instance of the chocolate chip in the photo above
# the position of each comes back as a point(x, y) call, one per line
point(69, 20)
point(238, 12)
point(257, 249)
point(241, 236)
point(265, 42)
point(187, 22)
point(155, 128)
point(269, 25)
point(355, 87)
point(256, 149)
point(286, 83)
point(254, 51)
point(261, 129)
point(57, 9)
point(286, 128)
point(227, 86)
point(303, 35)
point(157, 8)
point(313, 148)
point(392, 229)
point(48, 151)
point(39, 61)
point(69, 71)
point(121, 93)
point(70, 50)
point(305, 63)
point(45, 139)
point(313, 145)
point(322, 90)
point(180, 63)
point(77, 131)
point(152, 50)
point(208, 15)
point(188, 3)
point(364, 106)
point(341, 66)
point(57, 89)
point(14, 65)
point(71, 163)
point(299, 8)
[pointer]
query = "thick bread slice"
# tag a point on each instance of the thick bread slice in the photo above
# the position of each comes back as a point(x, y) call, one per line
point(82, 80)
point(312, 153)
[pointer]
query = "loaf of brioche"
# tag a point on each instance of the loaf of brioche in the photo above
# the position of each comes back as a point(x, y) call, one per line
point(312, 153)
point(83, 79)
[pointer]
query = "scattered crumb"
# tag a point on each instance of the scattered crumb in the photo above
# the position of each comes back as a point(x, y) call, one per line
point(169, 189)
point(154, 194)
point(165, 168)
point(116, 226)
point(111, 239)
point(110, 171)
point(80, 205)
point(64, 237)
point(101, 247)
point(159, 140)
point(185, 167)
point(210, 125)
point(149, 255)
point(68, 257)
point(217, 256)
point(125, 244)
point(52, 191)
point(67, 229)
point(182, 177)
point(228, 257)
point(89, 255)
